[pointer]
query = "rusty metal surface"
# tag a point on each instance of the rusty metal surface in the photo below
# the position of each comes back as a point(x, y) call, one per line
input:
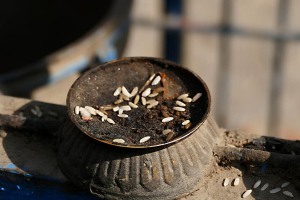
point(95, 88)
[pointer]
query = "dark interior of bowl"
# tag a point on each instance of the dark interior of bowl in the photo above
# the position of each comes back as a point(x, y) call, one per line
point(95, 88)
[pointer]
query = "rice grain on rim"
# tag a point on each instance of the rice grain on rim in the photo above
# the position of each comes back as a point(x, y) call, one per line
point(225, 182)
point(264, 187)
point(91, 110)
point(196, 97)
point(288, 193)
point(257, 184)
point(236, 181)
point(121, 141)
point(166, 131)
point(156, 80)
point(275, 190)
point(144, 139)
point(77, 108)
point(246, 193)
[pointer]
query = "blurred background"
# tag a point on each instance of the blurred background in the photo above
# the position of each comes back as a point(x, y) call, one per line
point(246, 51)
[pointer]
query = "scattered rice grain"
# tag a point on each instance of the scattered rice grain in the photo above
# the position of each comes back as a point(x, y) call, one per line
point(246, 193)
point(166, 131)
point(121, 141)
point(196, 97)
point(180, 109)
point(146, 92)
point(182, 96)
point(288, 193)
point(156, 80)
point(117, 91)
point(264, 187)
point(118, 101)
point(147, 82)
point(136, 99)
point(144, 139)
point(84, 112)
point(159, 90)
point(150, 101)
point(285, 184)
point(134, 91)
point(257, 184)
point(275, 190)
point(187, 100)
point(101, 114)
point(122, 115)
point(179, 103)
point(108, 107)
point(120, 111)
point(104, 118)
point(91, 110)
point(77, 110)
point(153, 95)
point(125, 108)
point(144, 101)
point(125, 91)
point(185, 122)
point(132, 105)
point(115, 109)
point(167, 119)
point(124, 97)
point(152, 104)
point(225, 182)
point(109, 120)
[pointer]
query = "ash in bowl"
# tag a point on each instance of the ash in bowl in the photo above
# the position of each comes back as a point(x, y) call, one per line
point(154, 109)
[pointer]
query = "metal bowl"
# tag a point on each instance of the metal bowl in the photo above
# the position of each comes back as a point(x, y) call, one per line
point(96, 87)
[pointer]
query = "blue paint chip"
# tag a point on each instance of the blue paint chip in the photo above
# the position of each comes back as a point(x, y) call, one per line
point(18, 187)
point(11, 166)
point(2, 189)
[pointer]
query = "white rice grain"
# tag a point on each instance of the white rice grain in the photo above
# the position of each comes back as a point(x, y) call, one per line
point(84, 112)
point(125, 108)
point(178, 108)
point(132, 105)
point(109, 120)
point(122, 115)
point(153, 95)
point(156, 80)
point(144, 101)
point(136, 99)
point(104, 118)
point(134, 91)
point(152, 104)
point(120, 111)
point(182, 96)
point(246, 193)
point(196, 97)
point(118, 101)
point(117, 91)
point(115, 109)
point(257, 184)
point(225, 182)
point(121, 141)
point(166, 131)
point(124, 97)
point(275, 190)
point(180, 103)
point(236, 181)
point(185, 122)
point(150, 101)
point(125, 91)
point(101, 114)
point(283, 185)
point(77, 110)
point(167, 119)
point(146, 92)
point(264, 187)
point(288, 193)
point(187, 100)
point(91, 110)
point(144, 139)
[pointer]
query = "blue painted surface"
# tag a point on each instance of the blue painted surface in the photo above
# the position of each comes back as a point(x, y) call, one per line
point(19, 187)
